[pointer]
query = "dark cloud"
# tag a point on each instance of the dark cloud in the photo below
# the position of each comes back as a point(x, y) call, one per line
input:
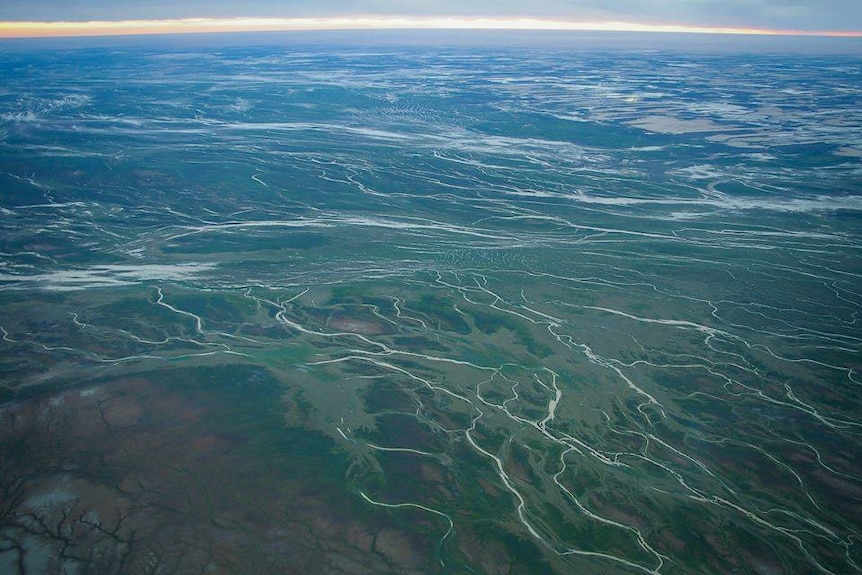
point(786, 14)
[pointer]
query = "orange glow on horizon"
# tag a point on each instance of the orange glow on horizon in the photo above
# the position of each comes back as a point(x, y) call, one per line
point(204, 25)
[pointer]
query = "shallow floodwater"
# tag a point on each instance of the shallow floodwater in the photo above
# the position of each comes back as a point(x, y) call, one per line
point(321, 307)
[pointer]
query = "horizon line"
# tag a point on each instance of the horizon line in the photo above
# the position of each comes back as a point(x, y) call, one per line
point(59, 29)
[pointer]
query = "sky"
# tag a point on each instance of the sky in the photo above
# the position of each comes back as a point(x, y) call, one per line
point(780, 15)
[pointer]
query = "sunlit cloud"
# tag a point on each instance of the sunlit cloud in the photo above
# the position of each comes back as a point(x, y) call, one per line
point(202, 25)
